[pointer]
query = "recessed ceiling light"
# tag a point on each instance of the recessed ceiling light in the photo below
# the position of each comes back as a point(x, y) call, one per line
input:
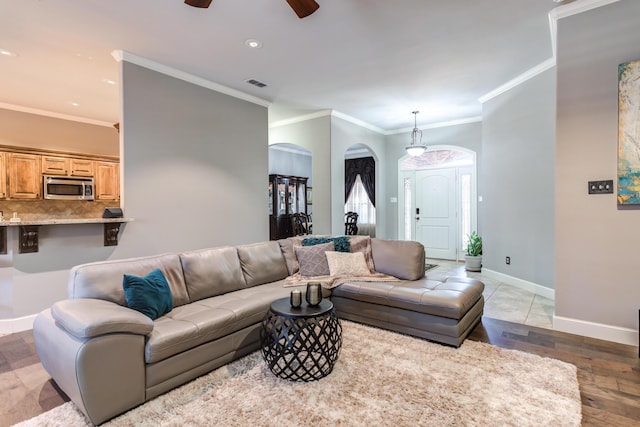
point(5, 52)
point(109, 81)
point(74, 104)
point(253, 43)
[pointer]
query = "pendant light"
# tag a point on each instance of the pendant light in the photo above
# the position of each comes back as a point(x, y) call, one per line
point(414, 149)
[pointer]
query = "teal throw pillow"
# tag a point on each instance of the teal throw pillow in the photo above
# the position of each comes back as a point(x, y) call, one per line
point(150, 295)
point(341, 243)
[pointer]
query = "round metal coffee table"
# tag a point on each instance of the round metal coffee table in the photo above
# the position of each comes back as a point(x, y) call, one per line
point(301, 344)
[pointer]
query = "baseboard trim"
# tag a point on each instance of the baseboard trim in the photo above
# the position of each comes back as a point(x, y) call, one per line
point(543, 291)
point(596, 330)
point(19, 324)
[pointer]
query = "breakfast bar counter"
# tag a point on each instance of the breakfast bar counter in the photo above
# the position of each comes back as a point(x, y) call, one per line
point(28, 230)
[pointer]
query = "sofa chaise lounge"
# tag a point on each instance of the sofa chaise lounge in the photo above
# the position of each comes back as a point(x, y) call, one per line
point(109, 358)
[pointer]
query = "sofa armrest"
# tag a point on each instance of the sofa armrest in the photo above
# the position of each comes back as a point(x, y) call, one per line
point(90, 317)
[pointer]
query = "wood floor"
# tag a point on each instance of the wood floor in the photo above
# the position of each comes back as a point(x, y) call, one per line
point(608, 373)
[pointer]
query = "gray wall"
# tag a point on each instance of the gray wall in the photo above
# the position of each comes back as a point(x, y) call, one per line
point(466, 136)
point(194, 165)
point(516, 181)
point(596, 243)
point(288, 163)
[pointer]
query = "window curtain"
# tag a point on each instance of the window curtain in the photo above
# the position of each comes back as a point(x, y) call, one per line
point(360, 203)
point(366, 168)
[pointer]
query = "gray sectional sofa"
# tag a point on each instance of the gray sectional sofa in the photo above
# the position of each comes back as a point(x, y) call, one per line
point(109, 358)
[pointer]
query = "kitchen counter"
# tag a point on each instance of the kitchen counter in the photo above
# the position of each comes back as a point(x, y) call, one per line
point(28, 231)
point(58, 221)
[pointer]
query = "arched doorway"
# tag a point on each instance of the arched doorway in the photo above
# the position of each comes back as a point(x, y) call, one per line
point(360, 193)
point(437, 200)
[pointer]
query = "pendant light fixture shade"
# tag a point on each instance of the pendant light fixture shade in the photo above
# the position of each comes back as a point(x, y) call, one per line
point(416, 149)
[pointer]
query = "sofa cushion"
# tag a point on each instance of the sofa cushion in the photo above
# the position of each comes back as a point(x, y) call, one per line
point(103, 279)
point(452, 298)
point(399, 258)
point(150, 295)
point(286, 246)
point(347, 264)
point(208, 319)
point(211, 272)
point(262, 263)
point(312, 259)
point(363, 244)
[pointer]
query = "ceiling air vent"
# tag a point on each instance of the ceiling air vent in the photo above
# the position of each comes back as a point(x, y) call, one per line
point(256, 82)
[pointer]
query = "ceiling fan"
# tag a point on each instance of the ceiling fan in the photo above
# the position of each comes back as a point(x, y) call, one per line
point(302, 8)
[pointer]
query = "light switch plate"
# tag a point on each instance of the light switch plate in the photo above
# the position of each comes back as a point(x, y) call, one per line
point(601, 187)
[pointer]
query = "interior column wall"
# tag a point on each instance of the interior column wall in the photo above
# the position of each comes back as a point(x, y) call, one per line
point(597, 292)
point(516, 181)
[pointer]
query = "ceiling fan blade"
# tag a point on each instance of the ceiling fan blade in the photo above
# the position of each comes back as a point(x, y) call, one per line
point(303, 8)
point(198, 3)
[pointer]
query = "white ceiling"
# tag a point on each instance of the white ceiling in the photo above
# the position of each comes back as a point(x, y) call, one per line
point(374, 60)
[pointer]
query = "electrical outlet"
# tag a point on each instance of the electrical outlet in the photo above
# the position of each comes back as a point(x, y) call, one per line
point(507, 260)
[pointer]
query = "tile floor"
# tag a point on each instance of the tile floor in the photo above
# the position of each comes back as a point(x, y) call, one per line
point(503, 301)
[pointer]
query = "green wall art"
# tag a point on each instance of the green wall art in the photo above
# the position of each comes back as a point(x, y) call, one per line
point(629, 133)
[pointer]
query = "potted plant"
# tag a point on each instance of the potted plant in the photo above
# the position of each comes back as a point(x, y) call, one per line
point(473, 257)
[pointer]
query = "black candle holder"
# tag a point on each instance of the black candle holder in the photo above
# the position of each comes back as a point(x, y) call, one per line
point(314, 293)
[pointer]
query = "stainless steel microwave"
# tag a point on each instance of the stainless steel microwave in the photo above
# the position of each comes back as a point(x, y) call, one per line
point(68, 188)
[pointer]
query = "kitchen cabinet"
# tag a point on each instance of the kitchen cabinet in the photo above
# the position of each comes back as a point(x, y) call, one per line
point(66, 166)
point(3, 175)
point(107, 181)
point(287, 195)
point(80, 167)
point(24, 176)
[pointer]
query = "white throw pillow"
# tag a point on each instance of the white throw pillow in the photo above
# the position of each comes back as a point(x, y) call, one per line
point(347, 264)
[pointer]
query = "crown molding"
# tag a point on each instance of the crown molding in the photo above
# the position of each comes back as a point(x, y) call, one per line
point(358, 122)
point(299, 119)
point(290, 148)
point(54, 115)
point(338, 114)
point(448, 123)
point(121, 55)
point(325, 113)
point(530, 73)
point(570, 9)
point(559, 12)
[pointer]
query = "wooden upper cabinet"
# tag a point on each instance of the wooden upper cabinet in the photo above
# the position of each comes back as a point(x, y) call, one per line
point(3, 175)
point(107, 181)
point(81, 167)
point(24, 176)
point(54, 165)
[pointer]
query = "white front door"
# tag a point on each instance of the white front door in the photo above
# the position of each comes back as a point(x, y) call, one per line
point(436, 224)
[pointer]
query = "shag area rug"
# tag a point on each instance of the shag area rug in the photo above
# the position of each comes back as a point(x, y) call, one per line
point(381, 379)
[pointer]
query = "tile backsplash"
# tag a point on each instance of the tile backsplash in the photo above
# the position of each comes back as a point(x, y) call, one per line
point(35, 210)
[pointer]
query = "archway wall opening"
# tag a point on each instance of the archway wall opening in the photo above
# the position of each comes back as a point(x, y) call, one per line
point(313, 135)
point(345, 134)
point(467, 136)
